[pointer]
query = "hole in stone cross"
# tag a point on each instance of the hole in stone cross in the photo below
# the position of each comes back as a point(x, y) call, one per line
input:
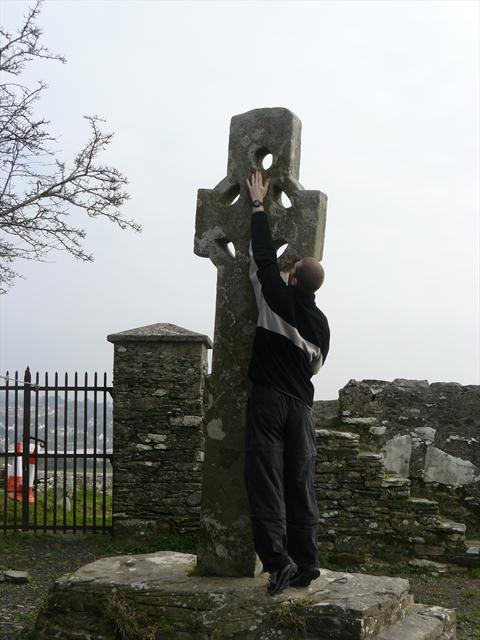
point(264, 158)
point(285, 200)
point(281, 198)
point(227, 246)
point(267, 161)
point(231, 195)
point(281, 250)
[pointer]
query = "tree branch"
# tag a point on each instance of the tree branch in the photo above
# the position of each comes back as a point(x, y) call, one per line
point(37, 196)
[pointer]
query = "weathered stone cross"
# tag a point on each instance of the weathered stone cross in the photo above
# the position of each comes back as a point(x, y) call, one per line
point(225, 543)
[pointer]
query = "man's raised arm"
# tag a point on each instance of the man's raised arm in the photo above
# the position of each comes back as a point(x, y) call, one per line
point(264, 271)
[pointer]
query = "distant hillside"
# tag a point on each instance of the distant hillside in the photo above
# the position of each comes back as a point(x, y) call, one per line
point(46, 411)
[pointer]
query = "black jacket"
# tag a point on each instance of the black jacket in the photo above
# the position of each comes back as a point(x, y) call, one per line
point(292, 336)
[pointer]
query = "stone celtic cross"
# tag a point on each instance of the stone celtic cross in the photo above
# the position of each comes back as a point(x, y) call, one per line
point(225, 544)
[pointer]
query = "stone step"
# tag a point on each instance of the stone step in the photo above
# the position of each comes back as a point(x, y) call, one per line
point(393, 480)
point(163, 585)
point(422, 622)
point(444, 525)
point(340, 438)
point(359, 422)
point(372, 455)
point(371, 466)
point(473, 547)
point(469, 556)
point(423, 505)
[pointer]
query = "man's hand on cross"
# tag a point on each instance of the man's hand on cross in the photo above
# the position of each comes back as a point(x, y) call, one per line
point(257, 189)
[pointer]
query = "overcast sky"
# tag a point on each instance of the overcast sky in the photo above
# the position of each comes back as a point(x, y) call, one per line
point(387, 93)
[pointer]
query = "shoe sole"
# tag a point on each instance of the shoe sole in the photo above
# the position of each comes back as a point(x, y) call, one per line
point(283, 580)
point(305, 578)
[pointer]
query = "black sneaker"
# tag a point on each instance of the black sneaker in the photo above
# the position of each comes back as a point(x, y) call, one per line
point(303, 576)
point(278, 580)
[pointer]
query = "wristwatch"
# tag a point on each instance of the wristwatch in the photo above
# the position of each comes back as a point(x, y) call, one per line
point(257, 203)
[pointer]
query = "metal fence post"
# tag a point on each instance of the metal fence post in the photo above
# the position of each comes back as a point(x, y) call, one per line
point(27, 390)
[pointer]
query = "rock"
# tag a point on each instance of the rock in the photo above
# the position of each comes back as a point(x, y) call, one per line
point(429, 550)
point(422, 622)
point(368, 420)
point(428, 564)
point(398, 452)
point(377, 431)
point(18, 577)
point(443, 468)
point(194, 498)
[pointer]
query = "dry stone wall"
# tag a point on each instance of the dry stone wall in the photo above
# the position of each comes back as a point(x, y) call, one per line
point(367, 514)
point(429, 433)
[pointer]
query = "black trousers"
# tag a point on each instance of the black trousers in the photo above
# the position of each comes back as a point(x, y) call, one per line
point(279, 473)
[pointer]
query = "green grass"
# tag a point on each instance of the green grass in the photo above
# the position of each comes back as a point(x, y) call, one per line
point(108, 546)
point(471, 617)
point(103, 544)
point(61, 517)
point(12, 543)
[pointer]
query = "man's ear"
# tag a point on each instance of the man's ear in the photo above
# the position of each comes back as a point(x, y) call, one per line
point(293, 281)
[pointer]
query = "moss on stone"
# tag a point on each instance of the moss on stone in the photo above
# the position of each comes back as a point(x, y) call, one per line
point(288, 616)
point(193, 569)
point(131, 624)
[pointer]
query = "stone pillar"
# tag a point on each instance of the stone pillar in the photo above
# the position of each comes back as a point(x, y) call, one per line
point(159, 375)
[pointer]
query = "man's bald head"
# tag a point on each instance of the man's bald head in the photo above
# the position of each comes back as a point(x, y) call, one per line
point(307, 274)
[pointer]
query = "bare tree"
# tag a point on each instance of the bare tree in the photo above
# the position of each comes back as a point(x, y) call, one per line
point(38, 192)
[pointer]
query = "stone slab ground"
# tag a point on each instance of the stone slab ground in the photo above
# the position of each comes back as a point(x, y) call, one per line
point(157, 595)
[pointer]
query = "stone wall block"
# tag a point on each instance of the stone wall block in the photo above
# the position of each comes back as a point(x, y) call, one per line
point(159, 378)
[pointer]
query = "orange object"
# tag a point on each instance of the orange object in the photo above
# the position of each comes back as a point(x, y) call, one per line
point(16, 480)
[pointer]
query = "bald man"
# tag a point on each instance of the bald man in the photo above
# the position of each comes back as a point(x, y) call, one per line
point(290, 345)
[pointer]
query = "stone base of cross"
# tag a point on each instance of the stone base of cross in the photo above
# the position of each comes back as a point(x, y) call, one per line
point(222, 233)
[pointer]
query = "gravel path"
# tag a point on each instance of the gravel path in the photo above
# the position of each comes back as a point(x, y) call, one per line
point(45, 558)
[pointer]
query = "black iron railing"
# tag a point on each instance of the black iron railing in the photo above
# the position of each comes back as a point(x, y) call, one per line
point(65, 455)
